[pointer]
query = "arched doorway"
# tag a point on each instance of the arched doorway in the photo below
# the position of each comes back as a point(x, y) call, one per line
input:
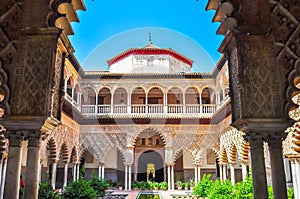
point(150, 162)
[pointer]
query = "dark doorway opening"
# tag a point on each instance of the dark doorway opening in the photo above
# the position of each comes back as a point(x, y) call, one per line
point(148, 160)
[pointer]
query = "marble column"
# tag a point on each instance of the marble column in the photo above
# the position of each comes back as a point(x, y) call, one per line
point(1, 166)
point(11, 189)
point(225, 172)
point(32, 165)
point(196, 174)
point(74, 172)
point(259, 178)
point(65, 174)
point(3, 178)
point(169, 177)
point(172, 177)
point(244, 172)
point(297, 168)
point(232, 174)
point(53, 177)
point(277, 167)
point(199, 172)
point(221, 172)
point(296, 184)
point(102, 172)
point(129, 176)
point(99, 171)
point(126, 175)
point(77, 171)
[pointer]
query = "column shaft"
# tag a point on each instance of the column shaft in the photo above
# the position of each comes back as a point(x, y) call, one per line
point(102, 172)
point(74, 172)
point(199, 173)
point(232, 175)
point(244, 171)
point(99, 171)
point(297, 166)
point(277, 167)
point(258, 167)
point(126, 175)
point(224, 172)
point(129, 177)
point(65, 175)
point(221, 172)
point(196, 176)
point(53, 177)
point(169, 177)
point(3, 178)
point(1, 166)
point(32, 167)
point(172, 177)
point(12, 184)
point(77, 170)
point(295, 180)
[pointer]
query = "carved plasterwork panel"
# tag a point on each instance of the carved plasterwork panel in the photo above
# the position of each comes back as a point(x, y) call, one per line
point(233, 143)
point(62, 135)
point(286, 20)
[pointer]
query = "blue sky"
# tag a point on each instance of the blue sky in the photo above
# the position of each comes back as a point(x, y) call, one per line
point(110, 27)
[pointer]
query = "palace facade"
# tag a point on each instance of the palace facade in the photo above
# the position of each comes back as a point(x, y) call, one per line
point(149, 113)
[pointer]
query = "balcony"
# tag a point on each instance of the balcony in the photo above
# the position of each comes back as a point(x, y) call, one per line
point(157, 110)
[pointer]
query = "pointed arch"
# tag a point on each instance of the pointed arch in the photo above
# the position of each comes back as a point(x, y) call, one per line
point(153, 130)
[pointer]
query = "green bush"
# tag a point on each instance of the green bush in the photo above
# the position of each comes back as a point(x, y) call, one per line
point(99, 185)
point(201, 189)
point(80, 190)
point(46, 191)
point(220, 190)
point(290, 193)
point(243, 190)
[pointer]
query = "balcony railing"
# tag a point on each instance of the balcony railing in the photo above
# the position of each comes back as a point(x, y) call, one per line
point(206, 110)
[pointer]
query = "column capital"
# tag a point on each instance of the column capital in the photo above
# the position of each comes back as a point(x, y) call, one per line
point(128, 163)
point(256, 140)
point(34, 138)
point(15, 138)
point(275, 139)
point(197, 164)
point(170, 164)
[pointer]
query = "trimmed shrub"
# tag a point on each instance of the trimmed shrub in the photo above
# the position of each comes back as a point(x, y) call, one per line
point(80, 190)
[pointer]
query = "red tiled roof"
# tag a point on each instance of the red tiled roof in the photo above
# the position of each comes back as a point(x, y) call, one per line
point(150, 51)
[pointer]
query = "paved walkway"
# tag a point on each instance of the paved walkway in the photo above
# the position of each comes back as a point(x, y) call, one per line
point(133, 194)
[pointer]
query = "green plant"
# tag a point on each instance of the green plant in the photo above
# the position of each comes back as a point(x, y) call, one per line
point(156, 185)
point(201, 189)
point(291, 194)
point(192, 182)
point(150, 185)
point(99, 185)
point(46, 191)
point(270, 192)
point(80, 189)
point(143, 185)
point(163, 185)
point(135, 184)
point(185, 185)
point(178, 183)
point(243, 190)
point(220, 190)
